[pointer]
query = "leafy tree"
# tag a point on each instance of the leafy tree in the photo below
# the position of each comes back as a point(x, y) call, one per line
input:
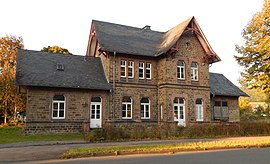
point(255, 53)
point(56, 49)
point(10, 100)
point(244, 104)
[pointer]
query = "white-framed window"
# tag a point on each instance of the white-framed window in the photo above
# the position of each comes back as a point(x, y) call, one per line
point(130, 69)
point(145, 108)
point(148, 70)
point(141, 70)
point(95, 108)
point(179, 111)
point(58, 107)
point(178, 108)
point(126, 107)
point(123, 68)
point(194, 71)
point(181, 70)
point(199, 110)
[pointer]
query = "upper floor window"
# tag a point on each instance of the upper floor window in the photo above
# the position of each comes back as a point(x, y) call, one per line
point(123, 68)
point(141, 70)
point(145, 108)
point(144, 70)
point(58, 107)
point(199, 110)
point(130, 69)
point(194, 71)
point(126, 107)
point(148, 71)
point(181, 70)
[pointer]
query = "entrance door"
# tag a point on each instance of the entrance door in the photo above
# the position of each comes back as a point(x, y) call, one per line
point(179, 111)
point(95, 112)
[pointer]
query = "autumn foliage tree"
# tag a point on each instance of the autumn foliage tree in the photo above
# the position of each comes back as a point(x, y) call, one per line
point(56, 49)
point(255, 52)
point(10, 100)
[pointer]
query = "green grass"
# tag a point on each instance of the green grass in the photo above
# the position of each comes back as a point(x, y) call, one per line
point(10, 134)
point(165, 148)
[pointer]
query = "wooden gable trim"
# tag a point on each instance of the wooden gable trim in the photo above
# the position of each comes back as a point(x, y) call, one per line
point(90, 40)
point(210, 53)
point(101, 52)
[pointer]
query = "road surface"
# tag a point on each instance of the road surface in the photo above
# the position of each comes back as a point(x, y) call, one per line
point(241, 156)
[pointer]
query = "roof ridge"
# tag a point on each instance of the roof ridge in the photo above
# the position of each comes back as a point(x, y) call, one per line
point(47, 53)
point(138, 28)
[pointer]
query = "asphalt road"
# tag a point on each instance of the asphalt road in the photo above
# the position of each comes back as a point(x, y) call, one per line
point(241, 156)
point(38, 151)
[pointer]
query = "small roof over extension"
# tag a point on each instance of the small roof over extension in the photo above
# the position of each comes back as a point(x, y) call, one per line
point(221, 86)
point(43, 69)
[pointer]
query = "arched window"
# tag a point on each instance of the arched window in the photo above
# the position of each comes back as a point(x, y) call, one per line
point(127, 107)
point(179, 111)
point(145, 108)
point(95, 108)
point(58, 107)
point(199, 110)
point(95, 99)
point(194, 71)
point(181, 70)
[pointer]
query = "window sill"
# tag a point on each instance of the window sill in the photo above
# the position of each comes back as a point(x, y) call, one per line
point(58, 118)
point(145, 119)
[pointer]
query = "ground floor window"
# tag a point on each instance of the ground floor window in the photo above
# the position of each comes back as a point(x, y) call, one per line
point(95, 107)
point(179, 111)
point(58, 107)
point(221, 111)
point(199, 110)
point(145, 108)
point(126, 108)
point(95, 112)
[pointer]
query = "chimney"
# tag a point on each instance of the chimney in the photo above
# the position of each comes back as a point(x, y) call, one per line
point(147, 27)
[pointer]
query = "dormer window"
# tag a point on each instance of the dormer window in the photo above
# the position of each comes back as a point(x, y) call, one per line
point(60, 67)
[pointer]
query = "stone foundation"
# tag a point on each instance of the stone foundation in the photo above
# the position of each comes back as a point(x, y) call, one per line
point(53, 128)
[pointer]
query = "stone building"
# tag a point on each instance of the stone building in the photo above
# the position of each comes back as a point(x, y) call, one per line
point(128, 76)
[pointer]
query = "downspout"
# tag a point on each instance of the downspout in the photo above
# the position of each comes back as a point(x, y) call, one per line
point(159, 110)
point(114, 72)
point(213, 107)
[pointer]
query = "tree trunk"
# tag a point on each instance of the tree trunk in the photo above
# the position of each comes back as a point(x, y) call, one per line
point(15, 113)
point(5, 116)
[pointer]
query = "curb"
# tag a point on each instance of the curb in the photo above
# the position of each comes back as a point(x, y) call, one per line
point(173, 151)
point(39, 143)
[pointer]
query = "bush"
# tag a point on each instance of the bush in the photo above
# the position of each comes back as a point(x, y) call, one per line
point(167, 131)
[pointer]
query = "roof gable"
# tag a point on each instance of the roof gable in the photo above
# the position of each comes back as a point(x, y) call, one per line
point(145, 42)
point(173, 35)
point(43, 69)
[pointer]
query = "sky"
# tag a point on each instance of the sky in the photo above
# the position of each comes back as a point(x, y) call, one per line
point(66, 23)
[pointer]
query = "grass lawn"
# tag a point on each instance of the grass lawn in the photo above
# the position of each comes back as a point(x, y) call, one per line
point(165, 148)
point(9, 134)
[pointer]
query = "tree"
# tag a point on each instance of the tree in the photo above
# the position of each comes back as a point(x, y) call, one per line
point(244, 104)
point(10, 100)
point(56, 49)
point(255, 53)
